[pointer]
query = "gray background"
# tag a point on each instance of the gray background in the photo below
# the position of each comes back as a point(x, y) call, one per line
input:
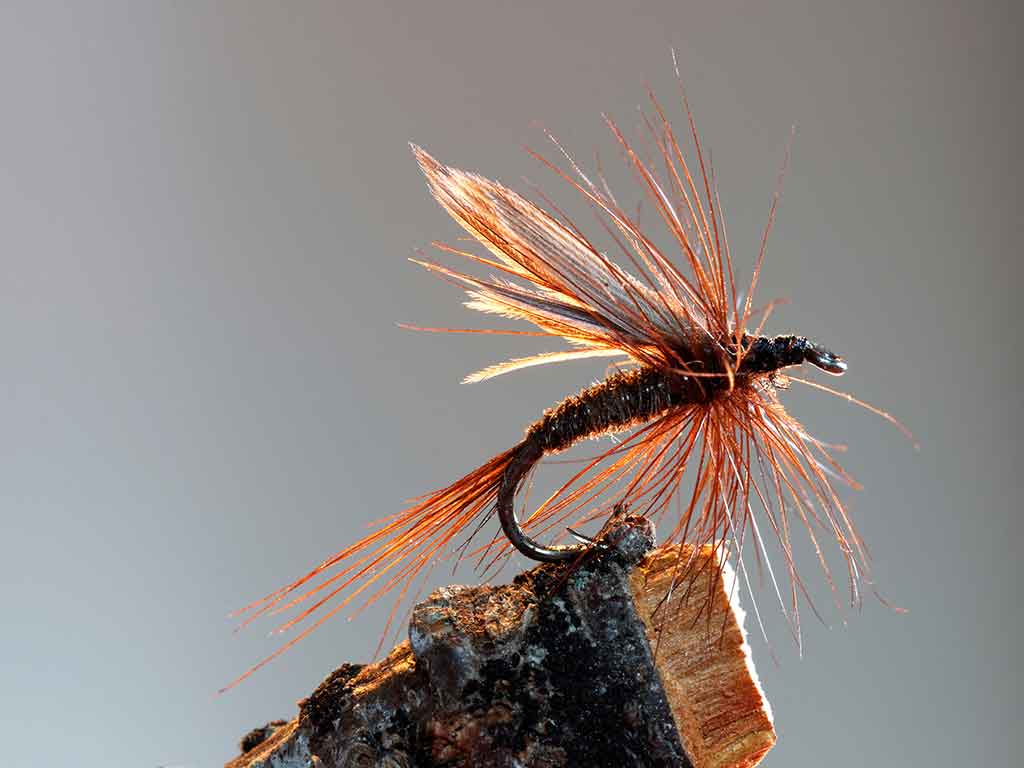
point(206, 210)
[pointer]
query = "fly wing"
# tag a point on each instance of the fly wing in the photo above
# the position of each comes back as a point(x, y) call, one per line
point(565, 286)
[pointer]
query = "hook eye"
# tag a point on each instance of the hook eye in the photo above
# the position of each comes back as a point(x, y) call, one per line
point(828, 361)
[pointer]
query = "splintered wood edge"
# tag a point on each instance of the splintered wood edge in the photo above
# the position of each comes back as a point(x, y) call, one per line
point(706, 668)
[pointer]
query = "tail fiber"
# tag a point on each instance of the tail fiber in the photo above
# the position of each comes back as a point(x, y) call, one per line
point(390, 557)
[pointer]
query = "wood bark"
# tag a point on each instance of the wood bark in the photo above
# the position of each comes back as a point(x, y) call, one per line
point(582, 664)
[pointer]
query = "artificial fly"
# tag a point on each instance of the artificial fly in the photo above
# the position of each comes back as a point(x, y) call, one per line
point(696, 383)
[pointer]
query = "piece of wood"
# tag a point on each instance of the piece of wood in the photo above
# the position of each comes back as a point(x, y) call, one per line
point(557, 668)
point(707, 672)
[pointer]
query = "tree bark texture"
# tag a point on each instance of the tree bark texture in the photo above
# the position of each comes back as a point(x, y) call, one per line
point(578, 664)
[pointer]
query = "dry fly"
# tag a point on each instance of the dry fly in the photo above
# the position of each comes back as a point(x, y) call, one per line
point(697, 385)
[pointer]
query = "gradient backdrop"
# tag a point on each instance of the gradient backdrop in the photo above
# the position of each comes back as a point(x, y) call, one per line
point(206, 212)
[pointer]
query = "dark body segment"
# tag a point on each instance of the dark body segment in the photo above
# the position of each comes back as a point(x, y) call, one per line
point(621, 401)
